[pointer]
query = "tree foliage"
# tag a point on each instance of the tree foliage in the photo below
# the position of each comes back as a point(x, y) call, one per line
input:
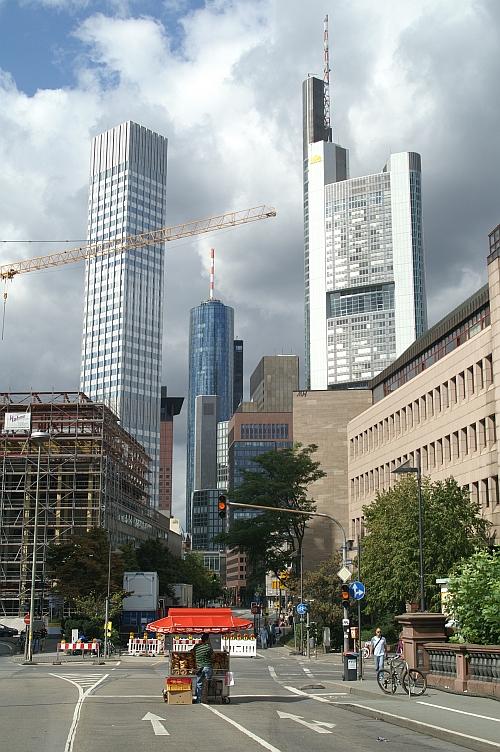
point(323, 587)
point(390, 568)
point(474, 601)
point(281, 479)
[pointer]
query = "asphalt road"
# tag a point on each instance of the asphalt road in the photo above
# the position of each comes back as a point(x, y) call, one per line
point(87, 708)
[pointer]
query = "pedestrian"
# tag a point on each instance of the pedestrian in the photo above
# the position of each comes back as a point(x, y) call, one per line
point(378, 650)
point(270, 635)
point(400, 650)
point(22, 641)
point(277, 632)
point(203, 652)
point(263, 637)
point(43, 637)
point(36, 640)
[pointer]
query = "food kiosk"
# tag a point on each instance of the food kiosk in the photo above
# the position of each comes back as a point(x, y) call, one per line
point(183, 628)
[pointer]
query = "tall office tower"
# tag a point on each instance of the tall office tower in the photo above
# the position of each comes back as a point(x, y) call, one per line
point(211, 372)
point(364, 260)
point(169, 407)
point(222, 439)
point(206, 418)
point(238, 373)
point(273, 383)
point(122, 327)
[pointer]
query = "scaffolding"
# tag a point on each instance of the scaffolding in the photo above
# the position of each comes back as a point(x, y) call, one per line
point(92, 474)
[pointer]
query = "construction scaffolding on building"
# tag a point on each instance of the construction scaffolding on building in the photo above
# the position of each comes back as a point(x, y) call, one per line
point(92, 474)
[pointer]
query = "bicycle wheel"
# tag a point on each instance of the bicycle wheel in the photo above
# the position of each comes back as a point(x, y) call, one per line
point(414, 682)
point(387, 681)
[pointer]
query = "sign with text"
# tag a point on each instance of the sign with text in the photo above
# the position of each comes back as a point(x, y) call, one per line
point(17, 422)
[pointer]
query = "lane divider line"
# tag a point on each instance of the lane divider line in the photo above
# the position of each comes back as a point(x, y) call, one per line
point(306, 694)
point(245, 731)
point(462, 712)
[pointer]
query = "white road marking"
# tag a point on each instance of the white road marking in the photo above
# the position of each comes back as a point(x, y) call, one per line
point(308, 671)
point(79, 682)
point(462, 712)
point(158, 727)
point(99, 697)
point(306, 694)
point(273, 673)
point(317, 726)
point(253, 736)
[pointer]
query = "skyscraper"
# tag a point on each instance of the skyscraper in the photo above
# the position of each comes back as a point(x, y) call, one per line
point(211, 369)
point(122, 328)
point(170, 406)
point(364, 271)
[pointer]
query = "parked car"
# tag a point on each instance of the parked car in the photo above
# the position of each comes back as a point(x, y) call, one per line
point(8, 631)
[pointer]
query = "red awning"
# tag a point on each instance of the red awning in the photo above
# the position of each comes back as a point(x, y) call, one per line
point(198, 621)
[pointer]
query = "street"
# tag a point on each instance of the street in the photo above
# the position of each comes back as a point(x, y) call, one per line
point(280, 702)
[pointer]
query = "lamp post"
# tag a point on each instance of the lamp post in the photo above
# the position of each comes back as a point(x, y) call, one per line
point(38, 438)
point(108, 596)
point(407, 468)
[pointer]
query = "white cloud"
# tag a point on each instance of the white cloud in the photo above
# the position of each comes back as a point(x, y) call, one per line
point(414, 76)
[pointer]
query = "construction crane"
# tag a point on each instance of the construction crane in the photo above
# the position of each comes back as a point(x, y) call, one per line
point(107, 247)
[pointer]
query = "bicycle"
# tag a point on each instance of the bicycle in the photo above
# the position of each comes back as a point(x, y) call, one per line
point(412, 680)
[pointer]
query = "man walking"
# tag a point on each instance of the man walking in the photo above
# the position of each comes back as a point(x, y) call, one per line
point(378, 650)
point(203, 652)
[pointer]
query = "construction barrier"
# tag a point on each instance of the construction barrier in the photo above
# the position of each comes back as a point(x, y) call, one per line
point(145, 647)
point(243, 648)
point(69, 647)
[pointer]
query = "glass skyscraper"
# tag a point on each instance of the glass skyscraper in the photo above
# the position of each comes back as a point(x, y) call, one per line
point(122, 327)
point(365, 299)
point(211, 369)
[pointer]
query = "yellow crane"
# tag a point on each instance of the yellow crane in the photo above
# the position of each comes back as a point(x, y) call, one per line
point(107, 247)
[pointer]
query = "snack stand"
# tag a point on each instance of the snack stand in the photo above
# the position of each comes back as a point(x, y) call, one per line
point(183, 628)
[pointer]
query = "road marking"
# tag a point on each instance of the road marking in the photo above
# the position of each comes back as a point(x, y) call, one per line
point(462, 712)
point(306, 694)
point(317, 726)
point(158, 727)
point(157, 662)
point(79, 682)
point(99, 697)
point(308, 671)
point(273, 674)
point(253, 736)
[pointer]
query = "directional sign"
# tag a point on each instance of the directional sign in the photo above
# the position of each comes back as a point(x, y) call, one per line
point(321, 727)
point(158, 727)
point(357, 590)
point(301, 608)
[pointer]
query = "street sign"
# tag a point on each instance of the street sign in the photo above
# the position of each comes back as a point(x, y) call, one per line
point(357, 590)
point(301, 608)
point(26, 618)
point(344, 574)
point(345, 622)
point(255, 610)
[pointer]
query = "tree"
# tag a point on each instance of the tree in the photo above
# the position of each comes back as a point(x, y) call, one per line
point(79, 567)
point(474, 601)
point(280, 480)
point(452, 530)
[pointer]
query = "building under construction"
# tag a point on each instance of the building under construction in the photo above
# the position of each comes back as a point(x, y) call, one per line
point(92, 473)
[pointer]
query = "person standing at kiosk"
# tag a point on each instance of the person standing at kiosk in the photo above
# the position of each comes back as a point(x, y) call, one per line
point(203, 652)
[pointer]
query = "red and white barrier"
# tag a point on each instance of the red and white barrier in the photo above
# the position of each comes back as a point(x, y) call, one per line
point(78, 646)
point(145, 647)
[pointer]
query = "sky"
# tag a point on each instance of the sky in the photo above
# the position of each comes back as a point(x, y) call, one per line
point(221, 80)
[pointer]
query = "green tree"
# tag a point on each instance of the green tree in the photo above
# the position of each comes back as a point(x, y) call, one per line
point(452, 530)
point(281, 479)
point(474, 601)
point(79, 567)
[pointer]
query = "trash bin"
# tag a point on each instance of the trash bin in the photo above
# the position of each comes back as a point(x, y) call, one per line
point(351, 666)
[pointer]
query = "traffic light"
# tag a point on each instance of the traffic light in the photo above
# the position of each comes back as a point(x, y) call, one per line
point(345, 595)
point(222, 506)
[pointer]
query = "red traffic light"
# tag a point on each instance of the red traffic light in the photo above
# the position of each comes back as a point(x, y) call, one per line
point(222, 506)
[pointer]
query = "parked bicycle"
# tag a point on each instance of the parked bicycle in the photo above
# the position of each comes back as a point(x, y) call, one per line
point(413, 681)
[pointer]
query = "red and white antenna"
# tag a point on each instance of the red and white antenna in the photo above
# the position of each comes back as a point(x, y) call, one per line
point(326, 74)
point(212, 263)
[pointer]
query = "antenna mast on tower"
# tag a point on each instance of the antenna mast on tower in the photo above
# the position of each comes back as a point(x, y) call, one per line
point(326, 76)
point(212, 263)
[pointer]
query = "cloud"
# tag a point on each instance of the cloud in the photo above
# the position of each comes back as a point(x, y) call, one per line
point(223, 82)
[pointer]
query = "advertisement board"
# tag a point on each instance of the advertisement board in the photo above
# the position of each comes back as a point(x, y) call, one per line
point(17, 422)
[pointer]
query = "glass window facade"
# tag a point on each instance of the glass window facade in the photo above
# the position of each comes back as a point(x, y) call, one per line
point(122, 327)
point(206, 523)
point(211, 371)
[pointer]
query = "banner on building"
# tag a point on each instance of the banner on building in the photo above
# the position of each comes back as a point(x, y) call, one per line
point(17, 422)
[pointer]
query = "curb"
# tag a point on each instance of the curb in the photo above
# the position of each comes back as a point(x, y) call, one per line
point(445, 735)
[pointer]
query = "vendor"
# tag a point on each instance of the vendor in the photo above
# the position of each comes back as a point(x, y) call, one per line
point(203, 652)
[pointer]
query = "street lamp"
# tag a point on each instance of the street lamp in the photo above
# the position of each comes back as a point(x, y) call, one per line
point(407, 468)
point(38, 438)
point(108, 596)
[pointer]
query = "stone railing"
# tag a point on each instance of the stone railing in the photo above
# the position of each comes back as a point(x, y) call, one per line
point(463, 668)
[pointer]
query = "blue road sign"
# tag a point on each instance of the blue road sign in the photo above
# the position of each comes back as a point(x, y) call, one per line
point(357, 590)
point(301, 608)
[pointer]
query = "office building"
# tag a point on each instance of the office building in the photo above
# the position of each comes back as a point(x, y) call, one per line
point(438, 402)
point(211, 372)
point(169, 407)
point(273, 383)
point(222, 458)
point(365, 299)
point(206, 419)
point(238, 373)
point(122, 327)
point(92, 474)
